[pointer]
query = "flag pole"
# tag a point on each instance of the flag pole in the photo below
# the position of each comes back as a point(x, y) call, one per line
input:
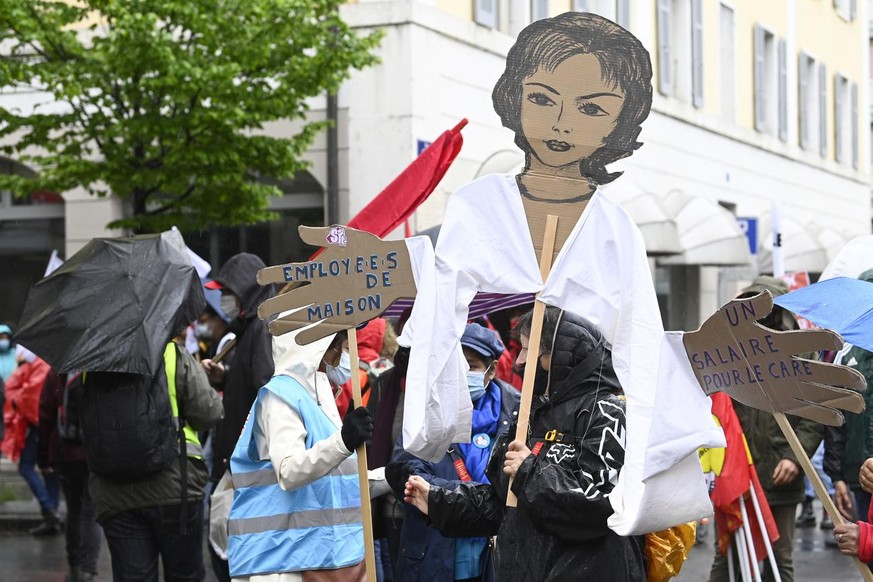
point(747, 531)
point(770, 556)
point(742, 554)
point(536, 328)
point(363, 480)
point(819, 487)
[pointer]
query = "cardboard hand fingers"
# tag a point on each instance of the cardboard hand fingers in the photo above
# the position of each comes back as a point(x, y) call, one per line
point(296, 321)
point(805, 341)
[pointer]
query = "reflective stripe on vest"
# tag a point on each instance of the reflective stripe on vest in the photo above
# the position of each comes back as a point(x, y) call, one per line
point(195, 450)
point(317, 526)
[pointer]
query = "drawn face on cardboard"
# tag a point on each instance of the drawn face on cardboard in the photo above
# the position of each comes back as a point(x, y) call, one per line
point(575, 90)
point(566, 113)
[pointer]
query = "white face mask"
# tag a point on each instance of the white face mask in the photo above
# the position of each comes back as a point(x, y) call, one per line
point(341, 373)
point(203, 331)
point(229, 306)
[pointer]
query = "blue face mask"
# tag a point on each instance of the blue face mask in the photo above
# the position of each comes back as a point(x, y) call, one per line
point(476, 385)
point(5, 344)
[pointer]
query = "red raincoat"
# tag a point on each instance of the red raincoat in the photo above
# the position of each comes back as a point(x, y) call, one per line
point(21, 411)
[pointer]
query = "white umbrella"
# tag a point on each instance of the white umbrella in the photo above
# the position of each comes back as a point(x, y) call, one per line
point(854, 258)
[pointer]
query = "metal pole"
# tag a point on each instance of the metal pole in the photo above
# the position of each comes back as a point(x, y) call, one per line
point(764, 534)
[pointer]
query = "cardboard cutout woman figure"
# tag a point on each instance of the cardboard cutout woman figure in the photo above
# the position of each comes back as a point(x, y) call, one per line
point(575, 91)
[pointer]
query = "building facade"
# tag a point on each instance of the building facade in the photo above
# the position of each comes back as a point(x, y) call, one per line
point(758, 105)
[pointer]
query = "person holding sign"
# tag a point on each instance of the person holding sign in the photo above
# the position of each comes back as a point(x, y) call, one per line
point(296, 507)
point(424, 553)
point(563, 473)
point(575, 91)
point(778, 468)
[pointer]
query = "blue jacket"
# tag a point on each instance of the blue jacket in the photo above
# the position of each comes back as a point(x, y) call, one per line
point(314, 527)
point(425, 554)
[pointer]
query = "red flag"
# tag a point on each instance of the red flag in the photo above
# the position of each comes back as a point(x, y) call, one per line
point(732, 483)
point(391, 207)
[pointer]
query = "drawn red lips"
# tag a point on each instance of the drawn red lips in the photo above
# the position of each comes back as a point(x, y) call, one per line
point(558, 146)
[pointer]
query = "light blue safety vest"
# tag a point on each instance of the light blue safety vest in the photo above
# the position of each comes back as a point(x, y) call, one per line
point(315, 527)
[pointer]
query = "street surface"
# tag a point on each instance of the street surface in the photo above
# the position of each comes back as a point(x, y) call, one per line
point(27, 559)
point(813, 562)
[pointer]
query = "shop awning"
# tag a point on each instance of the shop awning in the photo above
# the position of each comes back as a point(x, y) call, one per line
point(708, 233)
point(802, 249)
point(647, 210)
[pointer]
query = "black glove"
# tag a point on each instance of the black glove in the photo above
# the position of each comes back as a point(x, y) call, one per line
point(397, 474)
point(357, 428)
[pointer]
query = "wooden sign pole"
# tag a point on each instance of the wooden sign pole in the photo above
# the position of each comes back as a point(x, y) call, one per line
point(819, 487)
point(363, 479)
point(536, 328)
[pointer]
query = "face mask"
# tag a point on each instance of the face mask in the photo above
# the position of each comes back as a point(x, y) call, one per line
point(5, 344)
point(476, 384)
point(203, 331)
point(339, 375)
point(229, 306)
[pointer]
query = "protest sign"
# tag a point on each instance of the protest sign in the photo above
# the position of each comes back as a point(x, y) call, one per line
point(760, 367)
point(359, 277)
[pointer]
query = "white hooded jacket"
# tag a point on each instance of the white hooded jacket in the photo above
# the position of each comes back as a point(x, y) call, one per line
point(280, 434)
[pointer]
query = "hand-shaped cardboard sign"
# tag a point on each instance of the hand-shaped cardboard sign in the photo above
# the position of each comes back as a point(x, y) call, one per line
point(760, 367)
point(356, 278)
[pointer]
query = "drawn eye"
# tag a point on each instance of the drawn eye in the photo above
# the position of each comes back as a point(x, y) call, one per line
point(592, 110)
point(540, 99)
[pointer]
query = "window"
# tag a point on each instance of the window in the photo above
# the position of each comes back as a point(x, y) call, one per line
point(676, 55)
point(771, 84)
point(823, 110)
point(854, 121)
point(842, 118)
point(619, 11)
point(539, 9)
point(807, 103)
point(727, 64)
point(485, 13)
point(697, 52)
point(847, 9)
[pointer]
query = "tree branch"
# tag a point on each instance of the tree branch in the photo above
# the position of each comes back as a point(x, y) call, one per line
point(175, 202)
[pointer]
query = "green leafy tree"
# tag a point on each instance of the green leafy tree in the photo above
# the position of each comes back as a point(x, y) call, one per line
point(162, 102)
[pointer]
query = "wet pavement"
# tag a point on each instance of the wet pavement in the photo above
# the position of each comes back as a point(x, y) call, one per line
point(27, 559)
point(24, 558)
point(813, 561)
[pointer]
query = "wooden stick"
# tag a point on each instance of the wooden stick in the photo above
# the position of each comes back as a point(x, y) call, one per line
point(819, 487)
point(536, 328)
point(363, 480)
point(225, 350)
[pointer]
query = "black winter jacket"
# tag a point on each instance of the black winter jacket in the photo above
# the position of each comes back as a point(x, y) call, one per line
point(424, 553)
point(558, 532)
point(252, 365)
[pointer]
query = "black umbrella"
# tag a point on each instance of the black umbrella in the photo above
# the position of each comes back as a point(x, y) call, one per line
point(114, 305)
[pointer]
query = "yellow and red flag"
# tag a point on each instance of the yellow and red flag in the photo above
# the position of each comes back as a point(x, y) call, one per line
point(735, 479)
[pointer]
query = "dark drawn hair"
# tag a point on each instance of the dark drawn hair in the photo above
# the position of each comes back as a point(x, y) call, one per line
point(624, 62)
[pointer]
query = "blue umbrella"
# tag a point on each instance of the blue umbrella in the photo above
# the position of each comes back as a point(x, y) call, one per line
point(841, 304)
